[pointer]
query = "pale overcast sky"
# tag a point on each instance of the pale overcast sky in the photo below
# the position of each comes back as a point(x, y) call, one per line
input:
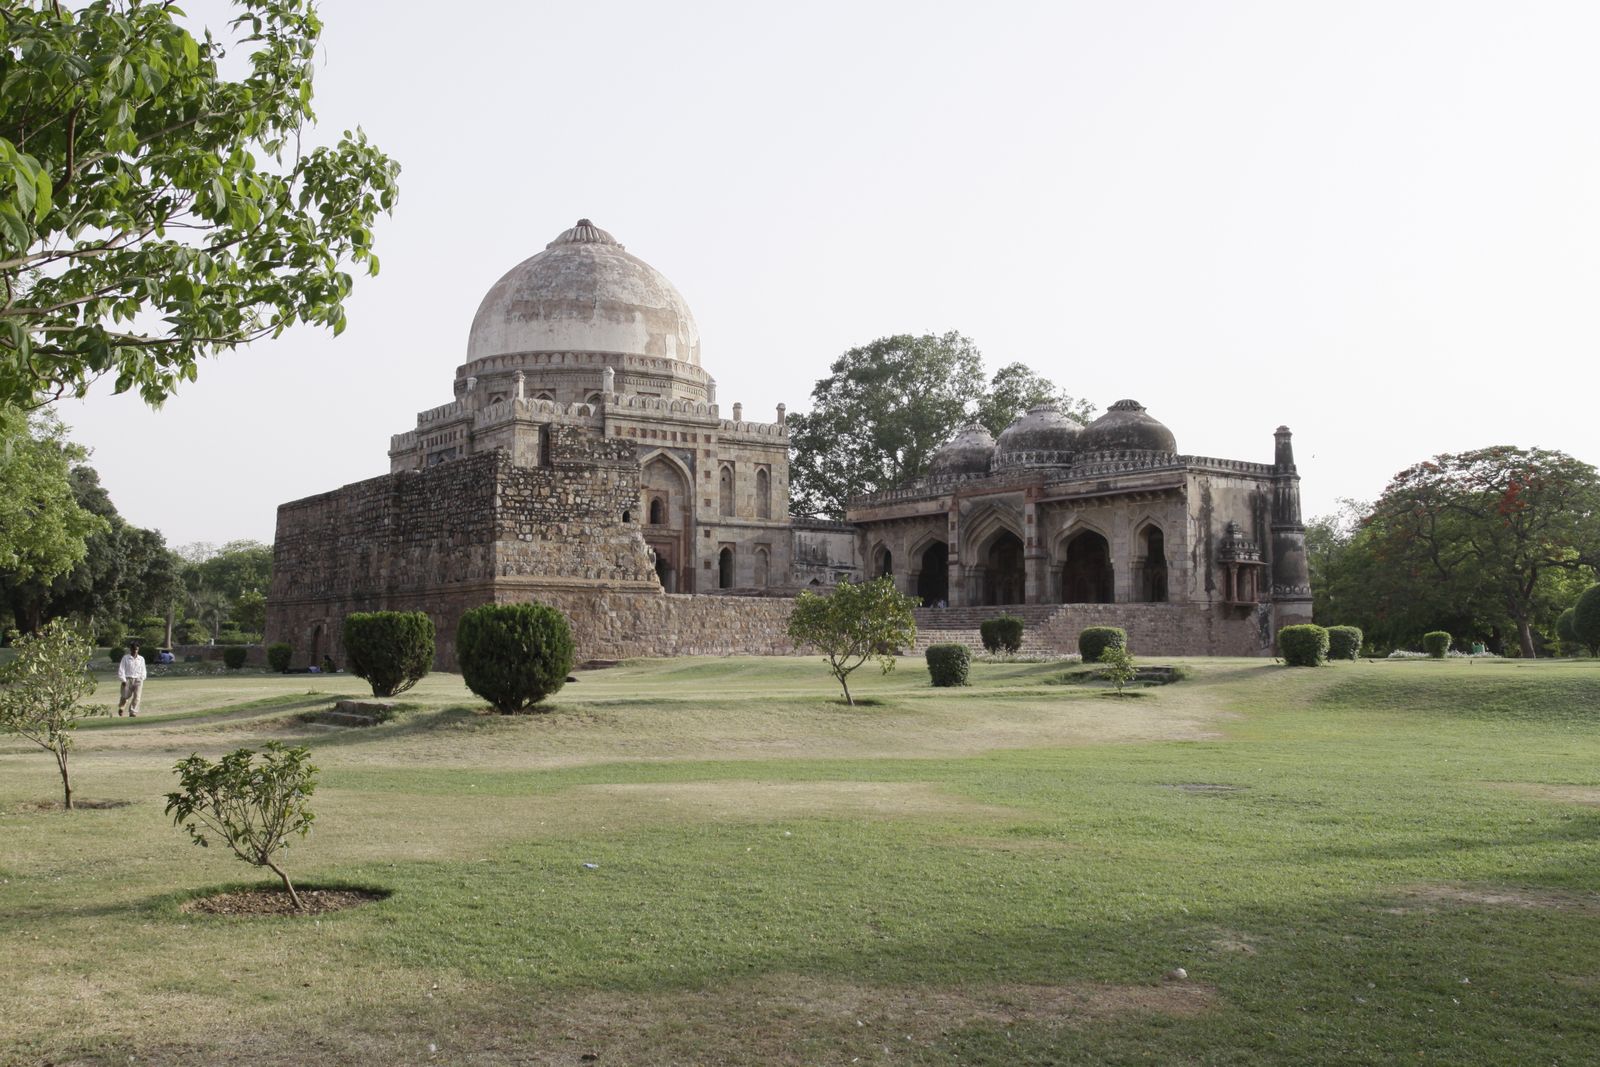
point(1378, 223)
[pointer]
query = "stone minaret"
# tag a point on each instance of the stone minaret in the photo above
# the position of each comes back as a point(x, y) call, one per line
point(1291, 575)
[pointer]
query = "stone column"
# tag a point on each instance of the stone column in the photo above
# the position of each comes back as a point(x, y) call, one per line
point(956, 579)
point(1291, 572)
point(1036, 567)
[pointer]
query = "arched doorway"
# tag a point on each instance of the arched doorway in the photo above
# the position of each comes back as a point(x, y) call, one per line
point(1153, 565)
point(1005, 574)
point(725, 491)
point(1086, 577)
point(666, 576)
point(763, 568)
point(725, 569)
point(933, 575)
point(882, 562)
point(763, 494)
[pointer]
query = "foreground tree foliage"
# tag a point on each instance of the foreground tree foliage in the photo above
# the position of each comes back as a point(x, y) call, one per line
point(153, 212)
point(884, 408)
point(255, 806)
point(391, 650)
point(852, 623)
point(40, 692)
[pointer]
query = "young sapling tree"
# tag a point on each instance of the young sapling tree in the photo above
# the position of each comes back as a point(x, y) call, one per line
point(254, 806)
point(41, 688)
point(852, 623)
point(1117, 666)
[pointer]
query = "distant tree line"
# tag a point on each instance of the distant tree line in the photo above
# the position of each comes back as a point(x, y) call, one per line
point(65, 552)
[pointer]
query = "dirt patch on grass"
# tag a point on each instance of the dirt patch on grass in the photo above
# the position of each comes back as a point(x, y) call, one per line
point(1502, 897)
point(1567, 794)
point(277, 902)
point(34, 807)
point(746, 800)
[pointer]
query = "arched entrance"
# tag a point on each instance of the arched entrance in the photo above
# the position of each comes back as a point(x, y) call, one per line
point(1153, 565)
point(933, 576)
point(1004, 573)
point(666, 576)
point(1086, 577)
point(725, 569)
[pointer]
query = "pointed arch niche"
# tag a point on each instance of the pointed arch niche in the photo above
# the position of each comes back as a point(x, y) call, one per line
point(1086, 573)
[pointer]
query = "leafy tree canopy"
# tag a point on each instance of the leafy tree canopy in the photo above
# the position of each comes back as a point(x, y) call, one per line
point(1483, 544)
point(43, 526)
point(152, 211)
point(852, 623)
point(886, 407)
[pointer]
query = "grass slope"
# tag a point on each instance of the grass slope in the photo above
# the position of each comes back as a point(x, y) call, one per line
point(1366, 863)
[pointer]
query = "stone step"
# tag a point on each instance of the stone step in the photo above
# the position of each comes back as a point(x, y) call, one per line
point(344, 718)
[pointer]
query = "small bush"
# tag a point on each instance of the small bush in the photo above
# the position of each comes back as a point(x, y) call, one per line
point(115, 655)
point(1117, 667)
point(391, 650)
point(1001, 634)
point(1436, 643)
point(254, 806)
point(233, 657)
point(279, 653)
point(1344, 642)
point(949, 664)
point(514, 655)
point(1304, 645)
point(1096, 639)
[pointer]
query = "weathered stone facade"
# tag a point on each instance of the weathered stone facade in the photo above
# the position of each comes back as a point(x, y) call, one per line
point(1194, 555)
point(585, 462)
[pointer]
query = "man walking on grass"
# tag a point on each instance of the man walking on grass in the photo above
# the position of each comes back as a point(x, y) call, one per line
point(131, 673)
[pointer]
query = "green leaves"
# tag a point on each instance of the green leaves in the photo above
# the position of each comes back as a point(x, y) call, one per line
point(255, 803)
point(129, 166)
point(41, 688)
point(854, 622)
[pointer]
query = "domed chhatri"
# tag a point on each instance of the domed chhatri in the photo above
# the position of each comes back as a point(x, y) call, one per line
point(1127, 427)
point(1042, 437)
point(584, 293)
point(968, 452)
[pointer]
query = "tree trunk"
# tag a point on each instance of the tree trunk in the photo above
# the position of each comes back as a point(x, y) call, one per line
point(288, 887)
point(846, 685)
point(1525, 636)
point(66, 783)
point(172, 611)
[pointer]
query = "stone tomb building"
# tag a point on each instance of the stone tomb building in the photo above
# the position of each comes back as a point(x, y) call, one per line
point(584, 462)
point(1103, 525)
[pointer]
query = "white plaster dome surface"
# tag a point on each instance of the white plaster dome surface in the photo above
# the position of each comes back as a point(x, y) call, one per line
point(584, 293)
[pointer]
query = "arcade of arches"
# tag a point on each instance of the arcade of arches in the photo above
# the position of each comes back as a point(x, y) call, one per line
point(1083, 567)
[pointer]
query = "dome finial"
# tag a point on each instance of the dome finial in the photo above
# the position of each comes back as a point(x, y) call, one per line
point(585, 233)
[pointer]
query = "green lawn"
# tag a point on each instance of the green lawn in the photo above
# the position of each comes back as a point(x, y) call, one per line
point(1367, 863)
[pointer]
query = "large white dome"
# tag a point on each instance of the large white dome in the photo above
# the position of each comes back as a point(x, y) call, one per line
point(584, 293)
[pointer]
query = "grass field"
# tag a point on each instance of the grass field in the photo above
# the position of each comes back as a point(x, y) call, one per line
point(1368, 863)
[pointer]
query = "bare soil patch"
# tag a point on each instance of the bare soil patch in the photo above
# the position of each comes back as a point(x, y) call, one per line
point(748, 800)
point(276, 901)
point(32, 807)
point(1504, 897)
point(1569, 794)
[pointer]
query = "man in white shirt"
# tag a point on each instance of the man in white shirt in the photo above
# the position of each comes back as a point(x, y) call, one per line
point(131, 673)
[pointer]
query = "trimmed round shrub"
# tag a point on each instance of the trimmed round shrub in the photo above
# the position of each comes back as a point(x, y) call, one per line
point(391, 650)
point(279, 653)
point(1304, 645)
point(1096, 639)
point(1586, 619)
point(948, 664)
point(1344, 642)
point(1436, 643)
point(1001, 634)
point(116, 655)
point(514, 655)
point(1567, 632)
point(233, 657)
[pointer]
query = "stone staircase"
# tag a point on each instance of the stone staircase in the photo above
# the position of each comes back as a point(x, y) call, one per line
point(356, 713)
point(959, 626)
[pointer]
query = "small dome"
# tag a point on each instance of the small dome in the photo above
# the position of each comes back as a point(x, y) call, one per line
point(966, 453)
point(1044, 437)
point(584, 293)
point(1127, 427)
